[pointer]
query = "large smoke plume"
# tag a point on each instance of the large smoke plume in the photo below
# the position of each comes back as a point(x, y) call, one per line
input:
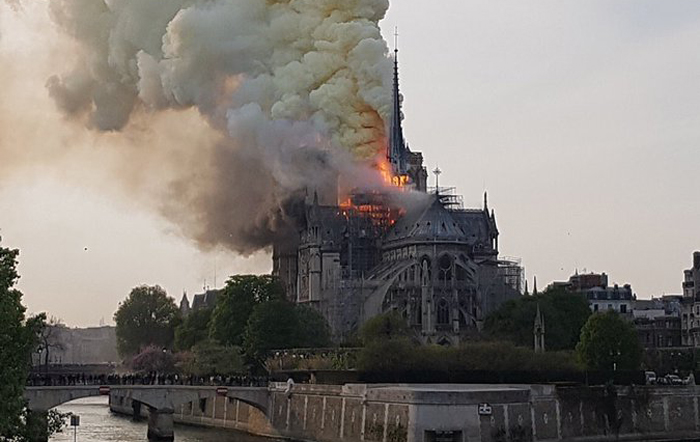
point(298, 91)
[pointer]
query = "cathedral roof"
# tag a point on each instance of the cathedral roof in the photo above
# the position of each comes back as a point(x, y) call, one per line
point(432, 222)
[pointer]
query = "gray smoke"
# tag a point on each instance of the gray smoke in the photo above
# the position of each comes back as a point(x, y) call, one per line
point(297, 89)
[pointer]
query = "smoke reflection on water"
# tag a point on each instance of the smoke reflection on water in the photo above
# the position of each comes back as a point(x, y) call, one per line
point(98, 424)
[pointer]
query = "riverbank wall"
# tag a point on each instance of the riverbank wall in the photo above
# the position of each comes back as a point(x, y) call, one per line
point(453, 413)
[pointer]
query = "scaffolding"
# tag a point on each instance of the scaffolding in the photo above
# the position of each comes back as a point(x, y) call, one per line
point(448, 197)
point(512, 273)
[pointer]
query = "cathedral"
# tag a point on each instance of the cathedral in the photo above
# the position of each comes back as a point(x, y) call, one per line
point(429, 259)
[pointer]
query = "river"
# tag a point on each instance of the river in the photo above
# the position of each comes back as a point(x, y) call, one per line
point(98, 424)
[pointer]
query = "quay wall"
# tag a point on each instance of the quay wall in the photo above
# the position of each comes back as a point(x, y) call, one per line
point(454, 413)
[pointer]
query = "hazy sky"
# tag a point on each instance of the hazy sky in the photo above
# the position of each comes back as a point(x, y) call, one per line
point(582, 119)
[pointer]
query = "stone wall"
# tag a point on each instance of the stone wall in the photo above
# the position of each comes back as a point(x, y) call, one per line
point(459, 413)
point(219, 412)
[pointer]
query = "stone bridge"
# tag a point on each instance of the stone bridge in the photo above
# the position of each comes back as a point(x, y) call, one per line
point(161, 400)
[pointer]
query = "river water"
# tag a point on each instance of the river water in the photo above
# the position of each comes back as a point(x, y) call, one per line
point(98, 424)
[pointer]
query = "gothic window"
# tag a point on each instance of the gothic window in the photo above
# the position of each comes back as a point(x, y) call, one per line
point(445, 268)
point(443, 312)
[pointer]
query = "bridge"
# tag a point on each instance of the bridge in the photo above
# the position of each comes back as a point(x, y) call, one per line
point(161, 400)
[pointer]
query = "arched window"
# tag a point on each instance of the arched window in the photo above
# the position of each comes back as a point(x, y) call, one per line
point(443, 312)
point(445, 268)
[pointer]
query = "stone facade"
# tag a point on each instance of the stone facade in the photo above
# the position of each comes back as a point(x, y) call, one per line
point(690, 323)
point(455, 413)
point(401, 249)
point(658, 322)
point(601, 296)
point(81, 346)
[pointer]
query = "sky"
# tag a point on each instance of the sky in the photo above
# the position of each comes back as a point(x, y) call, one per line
point(580, 119)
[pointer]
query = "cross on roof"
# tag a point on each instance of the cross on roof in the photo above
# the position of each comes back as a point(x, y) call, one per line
point(437, 173)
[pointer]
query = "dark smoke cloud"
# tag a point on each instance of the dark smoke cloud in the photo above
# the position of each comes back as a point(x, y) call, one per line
point(293, 93)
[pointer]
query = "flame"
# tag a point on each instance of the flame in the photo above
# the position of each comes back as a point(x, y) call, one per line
point(373, 205)
point(384, 168)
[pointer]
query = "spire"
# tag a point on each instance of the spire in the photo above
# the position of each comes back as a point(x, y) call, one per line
point(396, 152)
point(486, 201)
point(539, 331)
point(184, 304)
point(527, 292)
point(534, 288)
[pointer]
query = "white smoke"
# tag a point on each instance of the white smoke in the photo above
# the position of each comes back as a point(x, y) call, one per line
point(297, 88)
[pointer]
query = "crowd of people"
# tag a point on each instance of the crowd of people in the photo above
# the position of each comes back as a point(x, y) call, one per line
point(57, 380)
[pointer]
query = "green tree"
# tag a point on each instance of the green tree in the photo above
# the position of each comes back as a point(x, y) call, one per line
point(15, 347)
point(209, 358)
point(609, 342)
point(147, 317)
point(313, 331)
point(388, 344)
point(272, 325)
point(564, 315)
point(387, 326)
point(236, 303)
point(194, 329)
point(18, 340)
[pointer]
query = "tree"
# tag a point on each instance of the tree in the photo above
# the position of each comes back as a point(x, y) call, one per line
point(48, 336)
point(388, 343)
point(210, 358)
point(608, 342)
point(272, 325)
point(387, 326)
point(147, 317)
point(17, 342)
point(193, 330)
point(564, 315)
point(154, 359)
point(313, 331)
point(15, 347)
point(236, 303)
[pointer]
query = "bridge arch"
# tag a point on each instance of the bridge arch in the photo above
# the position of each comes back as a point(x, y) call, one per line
point(46, 398)
point(159, 397)
point(172, 397)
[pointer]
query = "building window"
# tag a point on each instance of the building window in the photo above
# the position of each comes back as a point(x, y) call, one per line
point(595, 307)
point(443, 312)
point(623, 308)
point(610, 307)
point(445, 268)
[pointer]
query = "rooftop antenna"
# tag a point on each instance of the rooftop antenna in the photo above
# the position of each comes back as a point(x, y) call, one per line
point(437, 173)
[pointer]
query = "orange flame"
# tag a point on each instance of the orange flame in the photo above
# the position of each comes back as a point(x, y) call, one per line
point(388, 176)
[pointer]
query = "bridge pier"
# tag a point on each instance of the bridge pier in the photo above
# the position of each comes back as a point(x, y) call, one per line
point(136, 407)
point(160, 425)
